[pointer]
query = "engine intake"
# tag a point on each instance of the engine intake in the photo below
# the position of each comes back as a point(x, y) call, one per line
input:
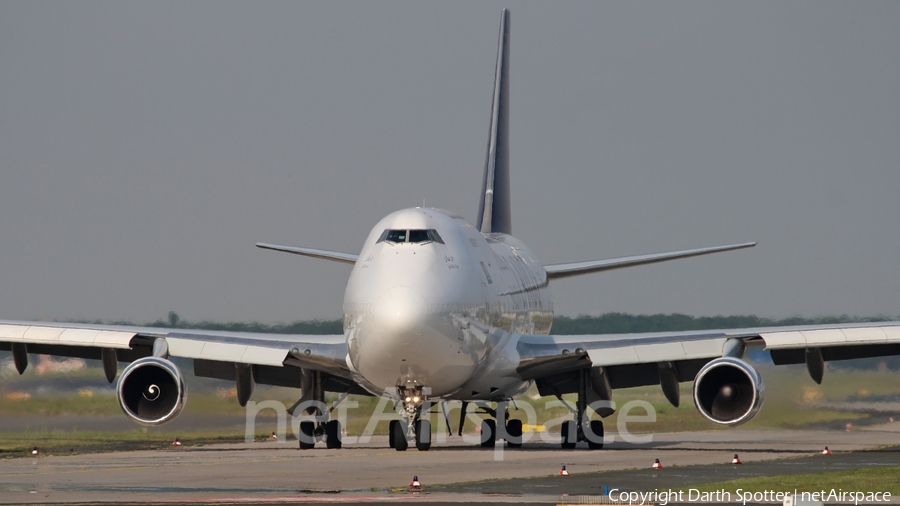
point(728, 391)
point(151, 391)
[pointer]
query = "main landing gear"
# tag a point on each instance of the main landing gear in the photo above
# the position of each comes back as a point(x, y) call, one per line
point(412, 427)
point(583, 428)
point(512, 428)
point(313, 403)
point(319, 430)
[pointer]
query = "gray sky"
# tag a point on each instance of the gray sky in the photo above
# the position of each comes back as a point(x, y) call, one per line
point(145, 147)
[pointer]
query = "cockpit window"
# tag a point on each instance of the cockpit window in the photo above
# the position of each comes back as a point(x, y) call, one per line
point(397, 235)
point(418, 236)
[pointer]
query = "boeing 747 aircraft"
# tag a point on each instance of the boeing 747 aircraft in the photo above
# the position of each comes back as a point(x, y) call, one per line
point(437, 309)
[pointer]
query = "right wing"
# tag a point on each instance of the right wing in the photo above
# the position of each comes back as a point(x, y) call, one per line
point(276, 358)
point(559, 271)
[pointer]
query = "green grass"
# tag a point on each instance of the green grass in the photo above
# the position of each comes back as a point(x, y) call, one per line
point(879, 479)
point(19, 444)
point(61, 405)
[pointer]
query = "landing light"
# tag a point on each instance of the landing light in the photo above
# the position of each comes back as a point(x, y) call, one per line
point(408, 399)
point(415, 399)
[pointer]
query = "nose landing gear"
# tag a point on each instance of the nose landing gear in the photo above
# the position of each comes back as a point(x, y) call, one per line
point(411, 427)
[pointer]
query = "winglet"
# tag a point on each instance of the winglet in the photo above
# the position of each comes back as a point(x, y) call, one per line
point(494, 214)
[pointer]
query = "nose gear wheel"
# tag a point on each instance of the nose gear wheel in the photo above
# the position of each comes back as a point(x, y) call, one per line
point(411, 427)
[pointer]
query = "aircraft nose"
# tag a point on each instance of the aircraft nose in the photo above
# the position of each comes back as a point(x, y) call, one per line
point(401, 313)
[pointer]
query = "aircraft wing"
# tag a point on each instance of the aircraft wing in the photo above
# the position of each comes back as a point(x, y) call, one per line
point(559, 271)
point(275, 357)
point(631, 360)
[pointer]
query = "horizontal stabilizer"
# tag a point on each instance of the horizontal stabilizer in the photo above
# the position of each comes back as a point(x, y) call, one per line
point(334, 256)
point(558, 271)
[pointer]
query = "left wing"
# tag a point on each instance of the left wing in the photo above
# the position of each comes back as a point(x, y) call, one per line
point(666, 358)
point(559, 271)
point(334, 256)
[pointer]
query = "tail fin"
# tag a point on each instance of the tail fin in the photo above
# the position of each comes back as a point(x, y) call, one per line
point(494, 210)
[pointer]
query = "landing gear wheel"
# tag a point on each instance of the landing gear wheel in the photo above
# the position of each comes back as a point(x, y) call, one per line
point(514, 433)
point(392, 435)
point(423, 435)
point(595, 436)
point(569, 435)
point(399, 430)
point(333, 434)
point(488, 433)
point(307, 439)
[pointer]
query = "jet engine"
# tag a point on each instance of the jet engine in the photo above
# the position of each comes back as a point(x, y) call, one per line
point(151, 391)
point(728, 391)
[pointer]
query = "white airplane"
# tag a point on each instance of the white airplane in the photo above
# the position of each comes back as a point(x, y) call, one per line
point(439, 309)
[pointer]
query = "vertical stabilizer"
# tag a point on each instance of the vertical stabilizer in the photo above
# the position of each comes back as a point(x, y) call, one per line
point(494, 210)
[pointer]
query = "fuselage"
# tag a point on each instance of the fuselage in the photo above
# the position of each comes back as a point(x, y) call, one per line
point(434, 303)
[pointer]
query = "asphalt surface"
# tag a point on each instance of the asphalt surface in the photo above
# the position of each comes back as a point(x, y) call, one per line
point(453, 471)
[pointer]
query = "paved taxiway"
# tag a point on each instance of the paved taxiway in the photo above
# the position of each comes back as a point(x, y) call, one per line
point(278, 472)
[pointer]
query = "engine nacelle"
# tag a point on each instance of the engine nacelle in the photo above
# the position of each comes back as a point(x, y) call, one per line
point(151, 391)
point(728, 391)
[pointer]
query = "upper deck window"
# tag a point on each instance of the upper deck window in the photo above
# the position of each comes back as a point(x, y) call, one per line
point(418, 236)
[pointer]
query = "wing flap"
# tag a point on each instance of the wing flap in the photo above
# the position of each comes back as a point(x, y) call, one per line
point(67, 336)
point(613, 356)
point(263, 356)
point(706, 348)
point(656, 352)
point(206, 349)
point(227, 352)
point(660, 352)
point(791, 339)
point(12, 333)
point(42, 335)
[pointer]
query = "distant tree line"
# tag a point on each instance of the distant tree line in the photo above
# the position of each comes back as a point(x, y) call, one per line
point(300, 327)
point(623, 323)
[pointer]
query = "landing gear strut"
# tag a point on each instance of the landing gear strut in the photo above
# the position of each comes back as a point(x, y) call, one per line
point(411, 426)
point(512, 432)
point(573, 431)
point(329, 431)
point(313, 403)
